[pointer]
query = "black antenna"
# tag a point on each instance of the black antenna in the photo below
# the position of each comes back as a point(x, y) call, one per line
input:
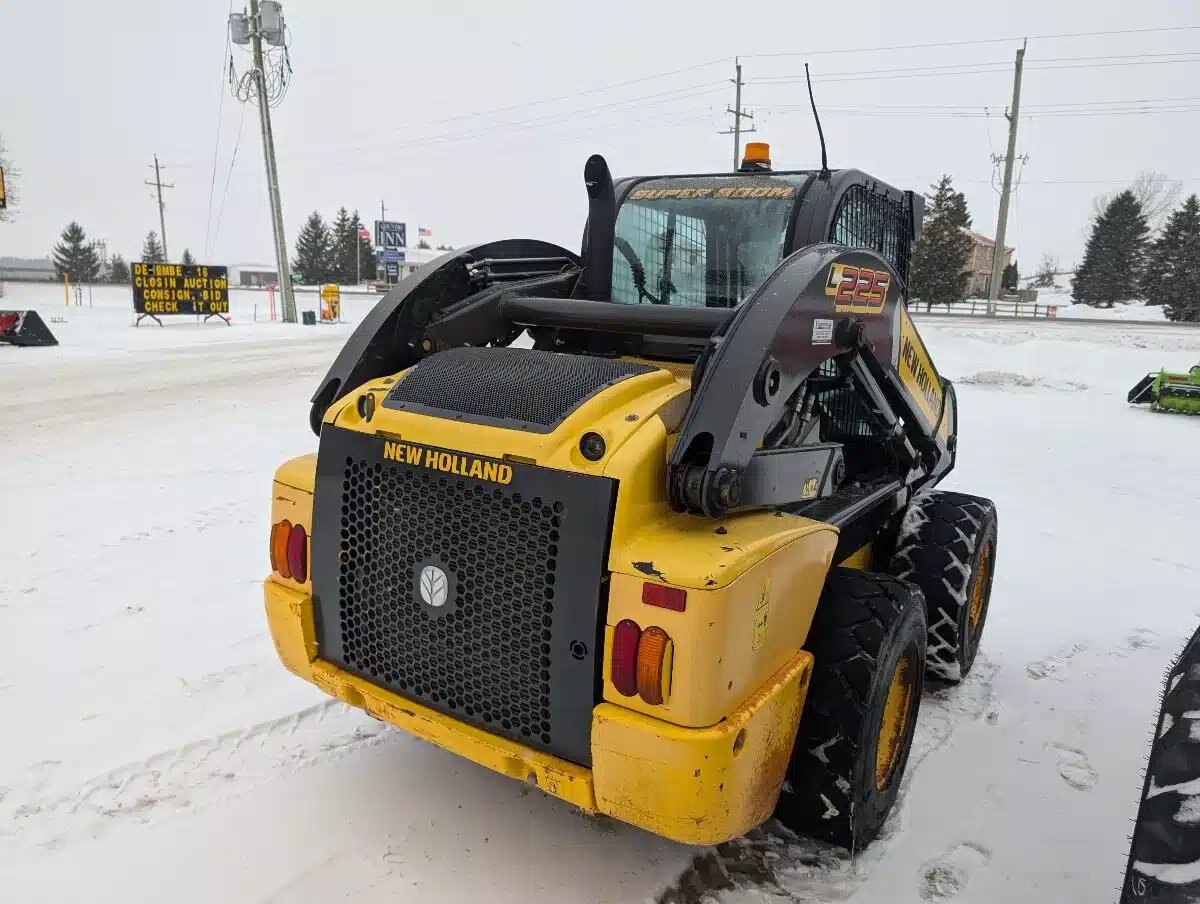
point(820, 132)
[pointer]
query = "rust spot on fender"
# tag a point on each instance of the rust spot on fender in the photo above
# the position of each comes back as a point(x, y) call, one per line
point(647, 568)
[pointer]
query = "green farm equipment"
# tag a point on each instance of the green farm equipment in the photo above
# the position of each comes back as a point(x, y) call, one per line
point(1166, 391)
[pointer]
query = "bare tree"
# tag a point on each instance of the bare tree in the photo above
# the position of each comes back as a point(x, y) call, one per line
point(1156, 192)
point(1046, 271)
point(10, 184)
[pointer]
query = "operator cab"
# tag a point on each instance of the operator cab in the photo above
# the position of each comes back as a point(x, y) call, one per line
point(709, 241)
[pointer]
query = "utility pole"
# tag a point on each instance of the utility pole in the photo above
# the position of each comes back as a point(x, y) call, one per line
point(737, 131)
point(162, 220)
point(1006, 189)
point(255, 24)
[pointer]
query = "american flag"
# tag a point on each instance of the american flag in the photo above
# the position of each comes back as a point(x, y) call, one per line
point(424, 233)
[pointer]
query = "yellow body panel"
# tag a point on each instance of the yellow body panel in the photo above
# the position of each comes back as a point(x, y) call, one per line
point(699, 786)
point(919, 375)
point(616, 414)
point(731, 638)
point(862, 558)
point(292, 500)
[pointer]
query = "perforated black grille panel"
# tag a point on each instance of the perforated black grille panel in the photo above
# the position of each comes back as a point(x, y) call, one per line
point(504, 631)
point(870, 219)
point(512, 387)
point(488, 656)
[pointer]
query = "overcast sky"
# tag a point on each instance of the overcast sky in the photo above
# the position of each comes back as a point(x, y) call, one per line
point(474, 120)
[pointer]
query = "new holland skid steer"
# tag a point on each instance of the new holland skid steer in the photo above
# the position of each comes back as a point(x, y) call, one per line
point(652, 527)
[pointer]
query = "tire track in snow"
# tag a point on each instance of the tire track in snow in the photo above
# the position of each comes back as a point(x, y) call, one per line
point(180, 779)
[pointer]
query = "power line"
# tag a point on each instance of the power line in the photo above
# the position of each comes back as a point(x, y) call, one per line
point(407, 127)
point(552, 119)
point(976, 41)
point(229, 176)
point(921, 108)
point(957, 69)
point(212, 185)
point(982, 114)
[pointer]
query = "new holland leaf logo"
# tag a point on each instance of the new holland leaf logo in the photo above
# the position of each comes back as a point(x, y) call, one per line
point(434, 587)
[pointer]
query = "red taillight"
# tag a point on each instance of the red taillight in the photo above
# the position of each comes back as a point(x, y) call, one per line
point(280, 534)
point(289, 551)
point(642, 661)
point(624, 657)
point(664, 597)
point(297, 553)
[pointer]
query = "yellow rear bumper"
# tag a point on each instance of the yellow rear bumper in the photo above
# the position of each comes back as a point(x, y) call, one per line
point(694, 785)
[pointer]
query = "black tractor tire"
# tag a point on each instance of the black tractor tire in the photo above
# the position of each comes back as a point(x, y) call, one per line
point(1166, 837)
point(868, 645)
point(946, 545)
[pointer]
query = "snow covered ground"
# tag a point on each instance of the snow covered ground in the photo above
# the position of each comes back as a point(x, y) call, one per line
point(155, 749)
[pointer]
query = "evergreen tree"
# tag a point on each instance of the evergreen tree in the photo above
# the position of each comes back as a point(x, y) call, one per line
point(959, 215)
point(118, 270)
point(1172, 274)
point(187, 260)
point(1010, 276)
point(1114, 257)
point(314, 249)
point(445, 248)
point(345, 241)
point(152, 249)
point(75, 256)
point(423, 244)
point(366, 249)
point(1164, 251)
point(943, 253)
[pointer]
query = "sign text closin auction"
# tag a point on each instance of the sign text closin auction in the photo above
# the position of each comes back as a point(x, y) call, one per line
point(180, 289)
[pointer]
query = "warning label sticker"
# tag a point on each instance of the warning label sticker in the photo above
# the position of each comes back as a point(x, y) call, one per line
point(822, 332)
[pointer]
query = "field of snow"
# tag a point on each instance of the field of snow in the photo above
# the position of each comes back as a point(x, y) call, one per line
point(156, 750)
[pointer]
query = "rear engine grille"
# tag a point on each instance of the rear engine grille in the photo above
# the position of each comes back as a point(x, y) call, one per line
point(489, 658)
point(505, 632)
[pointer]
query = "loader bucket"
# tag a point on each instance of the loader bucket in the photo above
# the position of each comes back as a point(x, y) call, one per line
point(24, 328)
point(1143, 392)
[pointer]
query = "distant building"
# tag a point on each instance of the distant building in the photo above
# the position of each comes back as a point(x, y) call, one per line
point(981, 262)
point(31, 268)
point(253, 276)
point(413, 258)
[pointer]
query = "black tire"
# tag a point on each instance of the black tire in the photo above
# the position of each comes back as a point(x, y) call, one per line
point(867, 627)
point(1166, 838)
point(946, 546)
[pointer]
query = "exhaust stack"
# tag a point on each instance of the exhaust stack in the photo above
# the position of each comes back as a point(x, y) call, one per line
point(602, 218)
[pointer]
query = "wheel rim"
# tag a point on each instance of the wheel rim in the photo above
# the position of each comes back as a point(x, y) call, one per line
point(894, 726)
point(983, 573)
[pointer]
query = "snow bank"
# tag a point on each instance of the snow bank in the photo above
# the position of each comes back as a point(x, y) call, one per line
point(1132, 310)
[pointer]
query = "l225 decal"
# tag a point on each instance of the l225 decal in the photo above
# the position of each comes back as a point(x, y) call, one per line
point(857, 290)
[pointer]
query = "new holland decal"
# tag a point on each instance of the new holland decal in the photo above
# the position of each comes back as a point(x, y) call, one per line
point(857, 290)
point(448, 462)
